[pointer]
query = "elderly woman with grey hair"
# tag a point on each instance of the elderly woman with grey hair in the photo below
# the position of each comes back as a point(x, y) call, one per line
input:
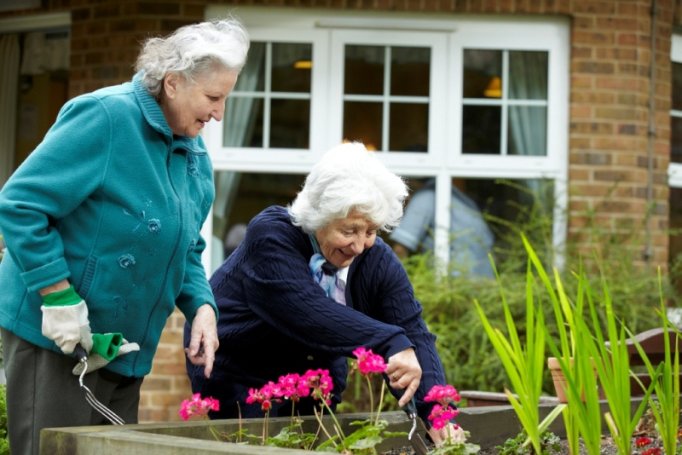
point(102, 224)
point(311, 283)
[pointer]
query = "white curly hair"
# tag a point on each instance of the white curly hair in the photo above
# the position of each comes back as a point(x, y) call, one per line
point(193, 49)
point(347, 178)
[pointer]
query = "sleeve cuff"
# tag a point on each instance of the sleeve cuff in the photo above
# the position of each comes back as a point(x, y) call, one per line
point(46, 275)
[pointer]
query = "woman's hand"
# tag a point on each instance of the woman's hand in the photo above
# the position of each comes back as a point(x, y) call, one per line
point(404, 372)
point(452, 431)
point(204, 339)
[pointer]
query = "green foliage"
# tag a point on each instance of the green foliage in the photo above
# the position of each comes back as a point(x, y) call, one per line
point(468, 357)
point(665, 405)
point(523, 361)
point(614, 254)
point(4, 441)
point(550, 444)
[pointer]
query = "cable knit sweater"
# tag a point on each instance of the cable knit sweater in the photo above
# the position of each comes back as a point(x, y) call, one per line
point(275, 319)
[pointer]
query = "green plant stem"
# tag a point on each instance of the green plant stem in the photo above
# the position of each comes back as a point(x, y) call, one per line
point(323, 428)
point(371, 395)
point(337, 425)
point(381, 402)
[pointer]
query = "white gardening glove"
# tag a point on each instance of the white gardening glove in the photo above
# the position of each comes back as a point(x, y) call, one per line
point(106, 348)
point(65, 320)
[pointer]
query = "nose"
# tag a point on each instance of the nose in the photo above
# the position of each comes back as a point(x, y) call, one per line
point(361, 243)
point(219, 111)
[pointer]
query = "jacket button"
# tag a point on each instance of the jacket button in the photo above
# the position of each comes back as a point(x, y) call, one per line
point(154, 225)
point(309, 357)
point(126, 260)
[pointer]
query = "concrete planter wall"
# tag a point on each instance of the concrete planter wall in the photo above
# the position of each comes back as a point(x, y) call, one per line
point(489, 426)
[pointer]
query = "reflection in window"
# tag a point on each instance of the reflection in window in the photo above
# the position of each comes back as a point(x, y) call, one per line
point(486, 217)
point(505, 96)
point(270, 105)
point(383, 106)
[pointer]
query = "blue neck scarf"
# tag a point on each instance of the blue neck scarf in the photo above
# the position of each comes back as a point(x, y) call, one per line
point(325, 274)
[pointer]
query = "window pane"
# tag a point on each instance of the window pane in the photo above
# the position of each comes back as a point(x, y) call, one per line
point(528, 75)
point(252, 77)
point(676, 140)
point(362, 122)
point(527, 130)
point(513, 206)
point(364, 70)
point(290, 124)
point(482, 74)
point(410, 69)
point(481, 126)
point(677, 86)
point(409, 127)
point(243, 125)
point(241, 196)
point(291, 64)
point(486, 216)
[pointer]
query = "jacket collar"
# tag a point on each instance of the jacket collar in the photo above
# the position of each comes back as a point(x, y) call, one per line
point(157, 120)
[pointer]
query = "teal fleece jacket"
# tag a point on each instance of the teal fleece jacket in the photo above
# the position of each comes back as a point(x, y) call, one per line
point(114, 202)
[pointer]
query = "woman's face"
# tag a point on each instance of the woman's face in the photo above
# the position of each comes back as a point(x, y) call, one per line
point(189, 105)
point(344, 239)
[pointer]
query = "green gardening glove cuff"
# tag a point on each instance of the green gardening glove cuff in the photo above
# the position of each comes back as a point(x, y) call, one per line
point(107, 345)
point(65, 297)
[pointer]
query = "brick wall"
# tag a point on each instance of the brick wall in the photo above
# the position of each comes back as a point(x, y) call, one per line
point(617, 163)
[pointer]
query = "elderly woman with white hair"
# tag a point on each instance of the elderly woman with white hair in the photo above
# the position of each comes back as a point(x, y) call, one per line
point(102, 224)
point(312, 282)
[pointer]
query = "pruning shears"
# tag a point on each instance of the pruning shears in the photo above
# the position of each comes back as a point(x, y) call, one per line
point(415, 438)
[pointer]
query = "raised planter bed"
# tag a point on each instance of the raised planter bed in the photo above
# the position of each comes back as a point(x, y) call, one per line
point(489, 426)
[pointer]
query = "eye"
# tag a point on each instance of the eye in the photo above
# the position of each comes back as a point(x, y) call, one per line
point(214, 99)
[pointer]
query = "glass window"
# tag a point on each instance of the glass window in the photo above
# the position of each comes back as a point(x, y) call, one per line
point(239, 197)
point(443, 99)
point(486, 216)
point(386, 106)
point(270, 105)
point(504, 108)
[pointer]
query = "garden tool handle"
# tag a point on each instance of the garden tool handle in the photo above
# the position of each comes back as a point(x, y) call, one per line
point(80, 353)
point(411, 409)
point(416, 440)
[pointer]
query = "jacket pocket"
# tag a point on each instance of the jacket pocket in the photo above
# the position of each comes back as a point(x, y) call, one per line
point(88, 277)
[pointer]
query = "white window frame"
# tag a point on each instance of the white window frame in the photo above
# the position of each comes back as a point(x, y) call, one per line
point(329, 30)
point(675, 169)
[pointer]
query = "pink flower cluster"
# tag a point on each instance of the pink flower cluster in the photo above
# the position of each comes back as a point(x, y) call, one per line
point(315, 383)
point(443, 411)
point(197, 406)
point(369, 362)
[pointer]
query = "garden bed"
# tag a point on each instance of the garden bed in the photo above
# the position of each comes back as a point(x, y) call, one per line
point(489, 426)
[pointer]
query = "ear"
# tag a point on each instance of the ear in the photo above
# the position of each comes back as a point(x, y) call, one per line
point(171, 81)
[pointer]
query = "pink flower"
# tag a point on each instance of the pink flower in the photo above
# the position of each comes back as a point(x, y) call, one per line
point(197, 406)
point(369, 362)
point(320, 382)
point(443, 394)
point(293, 387)
point(442, 415)
point(265, 395)
point(642, 441)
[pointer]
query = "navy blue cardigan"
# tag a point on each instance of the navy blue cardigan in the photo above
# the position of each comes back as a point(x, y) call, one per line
point(275, 319)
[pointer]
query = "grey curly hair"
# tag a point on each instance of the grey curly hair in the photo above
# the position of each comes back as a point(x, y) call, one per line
point(193, 49)
point(348, 178)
